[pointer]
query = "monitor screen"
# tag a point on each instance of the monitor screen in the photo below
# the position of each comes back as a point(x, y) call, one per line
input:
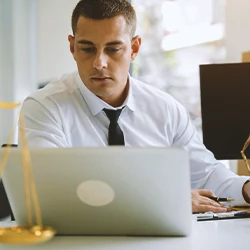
point(225, 107)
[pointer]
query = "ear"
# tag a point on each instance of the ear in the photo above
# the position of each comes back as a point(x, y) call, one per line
point(136, 44)
point(71, 40)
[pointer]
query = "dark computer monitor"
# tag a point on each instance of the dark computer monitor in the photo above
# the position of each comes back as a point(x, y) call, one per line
point(225, 107)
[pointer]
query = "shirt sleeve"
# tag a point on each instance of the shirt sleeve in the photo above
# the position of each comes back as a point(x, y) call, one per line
point(42, 128)
point(207, 172)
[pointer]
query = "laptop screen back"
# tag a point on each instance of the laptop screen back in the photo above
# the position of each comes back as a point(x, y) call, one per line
point(106, 191)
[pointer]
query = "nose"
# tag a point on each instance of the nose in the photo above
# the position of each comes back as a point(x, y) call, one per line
point(100, 61)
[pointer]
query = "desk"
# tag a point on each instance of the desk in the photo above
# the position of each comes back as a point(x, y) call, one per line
point(222, 235)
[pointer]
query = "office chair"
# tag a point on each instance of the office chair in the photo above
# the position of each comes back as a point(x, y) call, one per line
point(5, 209)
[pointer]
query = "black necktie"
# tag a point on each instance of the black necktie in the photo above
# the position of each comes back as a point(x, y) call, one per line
point(115, 133)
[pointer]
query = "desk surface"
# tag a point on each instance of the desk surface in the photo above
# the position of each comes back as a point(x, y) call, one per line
point(224, 234)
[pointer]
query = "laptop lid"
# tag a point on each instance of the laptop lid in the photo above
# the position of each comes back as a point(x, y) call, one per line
point(106, 191)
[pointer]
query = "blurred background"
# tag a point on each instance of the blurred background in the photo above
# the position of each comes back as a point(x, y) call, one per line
point(178, 36)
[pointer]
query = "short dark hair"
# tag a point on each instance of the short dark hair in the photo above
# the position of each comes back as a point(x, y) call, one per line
point(104, 9)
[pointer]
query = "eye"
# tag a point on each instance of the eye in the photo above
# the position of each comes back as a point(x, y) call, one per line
point(112, 50)
point(88, 50)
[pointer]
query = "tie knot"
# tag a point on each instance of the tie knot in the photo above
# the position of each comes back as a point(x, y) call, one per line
point(113, 115)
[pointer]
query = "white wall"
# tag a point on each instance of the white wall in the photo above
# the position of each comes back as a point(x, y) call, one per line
point(17, 56)
point(237, 29)
point(6, 55)
point(54, 26)
point(33, 49)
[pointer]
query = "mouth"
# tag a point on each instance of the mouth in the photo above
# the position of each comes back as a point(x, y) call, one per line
point(101, 79)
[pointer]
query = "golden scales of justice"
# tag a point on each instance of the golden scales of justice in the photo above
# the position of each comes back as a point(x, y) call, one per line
point(243, 153)
point(30, 233)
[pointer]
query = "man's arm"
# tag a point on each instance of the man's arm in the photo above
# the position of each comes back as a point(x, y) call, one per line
point(43, 127)
point(206, 172)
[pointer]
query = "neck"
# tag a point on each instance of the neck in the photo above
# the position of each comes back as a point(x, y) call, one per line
point(117, 102)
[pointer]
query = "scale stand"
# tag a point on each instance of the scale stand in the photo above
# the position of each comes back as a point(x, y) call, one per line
point(30, 233)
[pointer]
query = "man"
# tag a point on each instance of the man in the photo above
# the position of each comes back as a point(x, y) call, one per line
point(71, 111)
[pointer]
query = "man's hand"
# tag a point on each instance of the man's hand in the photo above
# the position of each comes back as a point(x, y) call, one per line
point(201, 203)
point(246, 191)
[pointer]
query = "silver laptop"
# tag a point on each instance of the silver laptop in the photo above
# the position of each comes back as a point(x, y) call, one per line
point(106, 191)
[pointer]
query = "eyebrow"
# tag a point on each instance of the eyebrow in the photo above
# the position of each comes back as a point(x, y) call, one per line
point(107, 44)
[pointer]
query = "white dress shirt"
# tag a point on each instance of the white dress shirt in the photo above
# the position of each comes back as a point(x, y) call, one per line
point(66, 114)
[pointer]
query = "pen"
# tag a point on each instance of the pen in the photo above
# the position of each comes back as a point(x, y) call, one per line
point(218, 199)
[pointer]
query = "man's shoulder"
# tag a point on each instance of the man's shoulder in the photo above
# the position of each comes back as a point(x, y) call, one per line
point(149, 91)
point(60, 86)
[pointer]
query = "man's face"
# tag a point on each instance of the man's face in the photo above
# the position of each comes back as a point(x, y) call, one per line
point(103, 50)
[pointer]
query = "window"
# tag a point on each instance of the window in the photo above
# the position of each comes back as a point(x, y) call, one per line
point(178, 36)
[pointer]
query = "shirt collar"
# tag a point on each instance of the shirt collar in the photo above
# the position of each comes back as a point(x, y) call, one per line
point(96, 105)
